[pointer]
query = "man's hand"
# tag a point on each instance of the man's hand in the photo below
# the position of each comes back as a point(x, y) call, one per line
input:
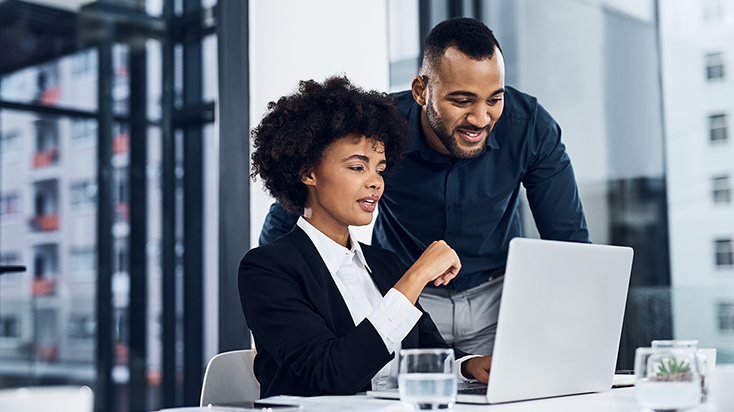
point(477, 368)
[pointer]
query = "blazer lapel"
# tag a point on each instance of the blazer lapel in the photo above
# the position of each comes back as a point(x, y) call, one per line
point(342, 319)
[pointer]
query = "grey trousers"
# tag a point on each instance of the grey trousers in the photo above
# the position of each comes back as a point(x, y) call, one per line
point(467, 320)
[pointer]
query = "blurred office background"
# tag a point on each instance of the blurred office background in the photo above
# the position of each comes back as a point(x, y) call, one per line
point(124, 159)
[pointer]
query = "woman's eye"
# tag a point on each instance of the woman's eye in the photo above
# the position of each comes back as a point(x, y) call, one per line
point(380, 171)
point(356, 168)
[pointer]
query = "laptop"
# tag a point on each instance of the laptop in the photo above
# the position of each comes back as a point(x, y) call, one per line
point(560, 321)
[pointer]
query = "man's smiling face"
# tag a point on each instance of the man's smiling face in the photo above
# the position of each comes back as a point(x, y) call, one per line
point(463, 101)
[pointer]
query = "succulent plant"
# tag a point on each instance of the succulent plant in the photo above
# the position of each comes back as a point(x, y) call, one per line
point(673, 371)
point(673, 367)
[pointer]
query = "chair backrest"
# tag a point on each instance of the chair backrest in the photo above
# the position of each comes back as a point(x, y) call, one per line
point(229, 378)
point(47, 398)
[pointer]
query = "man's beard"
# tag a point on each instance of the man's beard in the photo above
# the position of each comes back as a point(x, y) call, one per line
point(448, 139)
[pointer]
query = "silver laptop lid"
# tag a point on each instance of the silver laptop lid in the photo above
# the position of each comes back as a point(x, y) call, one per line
point(560, 319)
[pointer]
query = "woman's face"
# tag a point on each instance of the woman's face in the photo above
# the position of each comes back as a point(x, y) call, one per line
point(343, 189)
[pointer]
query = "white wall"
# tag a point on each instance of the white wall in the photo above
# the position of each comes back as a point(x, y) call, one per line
point(292, 40)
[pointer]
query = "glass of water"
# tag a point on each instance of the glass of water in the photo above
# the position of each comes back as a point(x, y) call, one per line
point(427, 378)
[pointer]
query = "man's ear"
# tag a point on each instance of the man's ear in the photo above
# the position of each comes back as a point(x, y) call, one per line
point(419, 89)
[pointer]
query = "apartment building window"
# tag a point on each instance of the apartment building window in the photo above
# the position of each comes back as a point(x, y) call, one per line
point(715, 66)
point(84, 65)
point(83, 132)
point(725, 315)
point(721, 190)
point(9, 206)
point(10, 146)
point(9, 327)
point(713, 11)
point(84, 195)
point(81, 326)
point(724, 253)
point(718, 129)
point(9, 259)
point(83, 264)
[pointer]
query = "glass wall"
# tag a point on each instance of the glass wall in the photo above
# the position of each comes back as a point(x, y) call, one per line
point(646, 129)
point(106, 128)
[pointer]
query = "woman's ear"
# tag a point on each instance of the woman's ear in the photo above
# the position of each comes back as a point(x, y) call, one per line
point(419, 89)
point(308, 178)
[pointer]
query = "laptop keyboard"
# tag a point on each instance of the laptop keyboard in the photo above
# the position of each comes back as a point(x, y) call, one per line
point(478, 389)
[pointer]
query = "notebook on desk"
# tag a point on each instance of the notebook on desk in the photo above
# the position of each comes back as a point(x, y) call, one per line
point(560, 321)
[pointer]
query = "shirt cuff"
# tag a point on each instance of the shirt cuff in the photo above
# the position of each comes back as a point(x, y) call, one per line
point(457, 367)
point(393, 318)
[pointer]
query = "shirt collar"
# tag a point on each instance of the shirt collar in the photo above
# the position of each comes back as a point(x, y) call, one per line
point(416, 141)
point(332, 253)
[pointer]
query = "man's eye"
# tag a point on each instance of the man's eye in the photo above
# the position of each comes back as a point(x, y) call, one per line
point(461, 102)
point(494, 101)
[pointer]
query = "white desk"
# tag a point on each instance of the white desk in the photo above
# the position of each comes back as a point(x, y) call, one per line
point(617, 400)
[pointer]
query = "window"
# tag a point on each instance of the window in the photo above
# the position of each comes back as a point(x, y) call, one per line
point(714, 66)
point(81, 326)
point(724, 253)
point(725, 315)
point(83, 264)
point(718, 128)
point(83, 131)
point(9, 206)
point(9, 259)
point(10, 146)
point(84, 195)
point(721, 190)
point(9, 327)
point(713, 11)
point(84, 65)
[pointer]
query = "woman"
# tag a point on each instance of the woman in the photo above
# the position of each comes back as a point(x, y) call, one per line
point(327, 313)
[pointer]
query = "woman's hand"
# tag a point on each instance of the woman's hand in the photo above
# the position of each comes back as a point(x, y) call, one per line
point(438, 263)
point(477, 368)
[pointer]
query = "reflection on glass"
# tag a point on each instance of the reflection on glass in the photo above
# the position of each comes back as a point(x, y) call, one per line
point(48, 224)
point(67, 82)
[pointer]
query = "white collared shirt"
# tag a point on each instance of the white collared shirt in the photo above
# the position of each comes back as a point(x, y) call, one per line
point(392, 315)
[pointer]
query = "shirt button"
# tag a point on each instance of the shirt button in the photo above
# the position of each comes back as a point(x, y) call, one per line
point(451, 207)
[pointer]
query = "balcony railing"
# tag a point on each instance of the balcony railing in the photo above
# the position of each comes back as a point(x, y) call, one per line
point(45, 158)
point(43, 287)
point(121, 143)
point(45, 223)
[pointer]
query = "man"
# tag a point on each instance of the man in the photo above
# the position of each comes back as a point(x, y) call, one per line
point(472, 142)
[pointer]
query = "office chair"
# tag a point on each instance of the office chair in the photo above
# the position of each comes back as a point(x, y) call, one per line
point(229, 379)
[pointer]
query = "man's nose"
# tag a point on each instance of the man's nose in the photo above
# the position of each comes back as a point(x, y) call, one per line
point(479, 117)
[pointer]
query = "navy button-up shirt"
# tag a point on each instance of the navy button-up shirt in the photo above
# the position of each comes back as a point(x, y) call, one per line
point(473, 203)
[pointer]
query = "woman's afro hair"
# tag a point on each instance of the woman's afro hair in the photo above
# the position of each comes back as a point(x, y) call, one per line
point(291, 138)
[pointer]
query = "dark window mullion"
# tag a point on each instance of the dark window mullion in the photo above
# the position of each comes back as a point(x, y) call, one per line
point(138, 227)
point(104, 398)
point(193, 228)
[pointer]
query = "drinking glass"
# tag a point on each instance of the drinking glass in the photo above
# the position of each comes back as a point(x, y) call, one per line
point(426, 378)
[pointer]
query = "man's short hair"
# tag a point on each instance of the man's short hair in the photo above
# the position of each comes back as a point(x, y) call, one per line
point(469, 36)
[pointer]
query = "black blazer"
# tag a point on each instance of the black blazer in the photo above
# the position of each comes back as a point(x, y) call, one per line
point(306, 340)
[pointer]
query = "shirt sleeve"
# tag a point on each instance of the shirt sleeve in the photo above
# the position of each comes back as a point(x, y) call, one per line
point(457, 367)
point(393, 318)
